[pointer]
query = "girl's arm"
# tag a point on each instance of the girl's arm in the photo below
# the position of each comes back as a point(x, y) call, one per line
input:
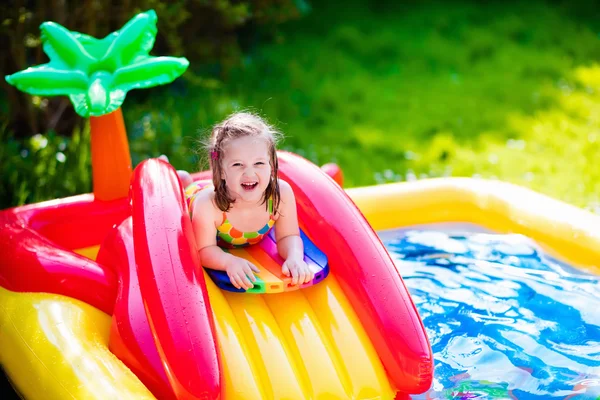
point(289, 244)
point(240, 271)
point(287, 233)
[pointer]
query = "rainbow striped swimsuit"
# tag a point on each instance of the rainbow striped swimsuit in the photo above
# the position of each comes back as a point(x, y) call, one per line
point(227, 235)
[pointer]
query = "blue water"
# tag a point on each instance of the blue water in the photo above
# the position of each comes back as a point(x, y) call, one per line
point(505, 320)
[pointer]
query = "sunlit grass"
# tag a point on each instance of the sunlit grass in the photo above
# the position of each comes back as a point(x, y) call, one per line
point(556, 152)
point(503, 91)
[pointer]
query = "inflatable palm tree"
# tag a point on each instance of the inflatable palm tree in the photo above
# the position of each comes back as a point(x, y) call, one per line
point(96, 74)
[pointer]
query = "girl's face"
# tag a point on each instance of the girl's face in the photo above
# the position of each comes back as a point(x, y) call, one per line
point(246, 168)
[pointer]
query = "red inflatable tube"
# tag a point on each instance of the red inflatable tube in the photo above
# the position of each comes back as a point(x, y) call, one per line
point(30, 262)
point(335, 172)
point(365, 271)
point(175, 299)
point(130, 335)
point(73, 222)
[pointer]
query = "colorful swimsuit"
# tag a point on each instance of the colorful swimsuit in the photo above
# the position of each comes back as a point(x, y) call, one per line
point(227, 235)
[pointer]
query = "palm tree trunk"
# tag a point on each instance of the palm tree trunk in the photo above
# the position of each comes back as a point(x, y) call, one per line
point(111, 161)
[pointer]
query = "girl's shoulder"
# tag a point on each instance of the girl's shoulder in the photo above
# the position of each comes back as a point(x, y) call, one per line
point(204, 200)
point(205, 192)
point(285, 191)
point(286, 197)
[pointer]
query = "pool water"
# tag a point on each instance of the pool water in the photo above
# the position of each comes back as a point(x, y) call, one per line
point(505, 320)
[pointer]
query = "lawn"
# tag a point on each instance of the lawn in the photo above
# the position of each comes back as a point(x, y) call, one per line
point(505, 91)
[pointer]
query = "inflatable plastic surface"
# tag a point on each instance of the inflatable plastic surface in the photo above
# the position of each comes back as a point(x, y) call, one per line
point(296, 344)
point(183, 337)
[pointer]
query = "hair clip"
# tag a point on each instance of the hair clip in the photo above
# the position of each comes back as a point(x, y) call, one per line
point(214, 155)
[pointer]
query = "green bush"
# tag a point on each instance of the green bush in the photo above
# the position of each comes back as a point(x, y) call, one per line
point(44, 167)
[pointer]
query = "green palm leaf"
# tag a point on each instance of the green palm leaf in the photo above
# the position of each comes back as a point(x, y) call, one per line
point(150, 72)
point(135, 38)
point(63, 48)
point(96, 47)
point(44, 80)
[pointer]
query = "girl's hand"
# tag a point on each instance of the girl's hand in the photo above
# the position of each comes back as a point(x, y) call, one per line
point(241, 273)
point(298, 269)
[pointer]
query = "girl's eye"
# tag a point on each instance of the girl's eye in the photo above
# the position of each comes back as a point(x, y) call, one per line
point(237, 164)
point(259, 163)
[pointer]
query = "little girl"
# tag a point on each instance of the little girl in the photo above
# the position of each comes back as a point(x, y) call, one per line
point(244, 201)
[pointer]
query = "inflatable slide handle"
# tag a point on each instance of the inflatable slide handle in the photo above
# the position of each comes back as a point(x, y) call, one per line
point(175, 298)
point(365, 272)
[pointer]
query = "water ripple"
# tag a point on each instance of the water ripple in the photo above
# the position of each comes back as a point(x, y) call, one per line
point(504, 319)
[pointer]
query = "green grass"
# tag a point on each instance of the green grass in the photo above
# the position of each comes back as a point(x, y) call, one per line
point(504, 91)
point(501, 92)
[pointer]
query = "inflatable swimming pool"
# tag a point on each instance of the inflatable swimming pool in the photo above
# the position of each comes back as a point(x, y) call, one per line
point(297, 344)
point(356, 334)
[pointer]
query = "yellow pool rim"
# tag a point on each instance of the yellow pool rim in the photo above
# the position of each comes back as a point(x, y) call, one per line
point(565, 231)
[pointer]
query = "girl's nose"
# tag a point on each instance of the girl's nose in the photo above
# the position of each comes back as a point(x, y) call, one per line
point(249, 171)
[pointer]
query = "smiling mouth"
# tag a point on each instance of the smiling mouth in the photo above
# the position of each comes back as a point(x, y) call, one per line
point(249, 186)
